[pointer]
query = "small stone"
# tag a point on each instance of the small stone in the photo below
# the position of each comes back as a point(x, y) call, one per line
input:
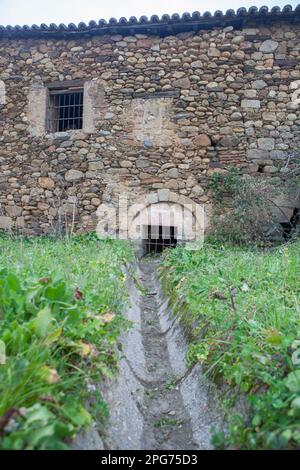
point(94, 166)
point(269, 116)
point(239, 55)
point(108, 115)
point(182, 83)
point(142, 163)
point(14, 211)
point(5, 222)
point(76, 49)
point(147, 143)
point(202, 140)
point(45, 182)
point(259, 84)
point(73, 175)
point(292, 117)
point(172, 173)
point(268, 46)
point(213, 85)
point(253, 168)
point(253, 154)
point(95, 201)
point(295, 85)
point(42, 206)
point(197, 64)
point(250, 93)
point(66, 144)
point(197, 190)
point(278, 155)
point(155, 48)
point(238, 39)
point(266, 143)
point(172, 184)
point(213, 52)
point(125, 164)
point(236, 116)
point(132, 60)
point(270, 169)
point(229, 141)
point(254, 104)
point(163, 195)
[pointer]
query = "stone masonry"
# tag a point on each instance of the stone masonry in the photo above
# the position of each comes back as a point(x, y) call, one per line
point(161, 111)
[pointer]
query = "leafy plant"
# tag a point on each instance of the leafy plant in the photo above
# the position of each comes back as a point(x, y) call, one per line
point(245, 208)
point(60, 318)
point(241, 309)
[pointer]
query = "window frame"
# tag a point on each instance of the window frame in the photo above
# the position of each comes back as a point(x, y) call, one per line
point(62, 88)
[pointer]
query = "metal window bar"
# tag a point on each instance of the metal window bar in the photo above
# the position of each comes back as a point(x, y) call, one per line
point(160, 237)
point(65, 110)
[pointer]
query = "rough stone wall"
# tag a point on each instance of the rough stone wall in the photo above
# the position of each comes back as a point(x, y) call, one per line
point(159, 112)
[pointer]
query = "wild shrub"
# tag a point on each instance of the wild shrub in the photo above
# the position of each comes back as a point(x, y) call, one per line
point(245, 207)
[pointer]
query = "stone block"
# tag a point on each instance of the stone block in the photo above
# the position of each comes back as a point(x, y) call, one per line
point(73, 175)
point(253, 154)
point(252, 104)
point(94, 166)
point(259, 84)
point(202, 140)
point(46, 183)
point(5, 222)
point(13, 211)
point(268, 46)
point(163, 195)
point(266, 143)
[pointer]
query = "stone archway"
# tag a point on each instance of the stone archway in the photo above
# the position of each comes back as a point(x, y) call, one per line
point(179, 218)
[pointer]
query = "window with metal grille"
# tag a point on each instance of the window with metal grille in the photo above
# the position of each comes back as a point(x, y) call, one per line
point(159, 237)
point(65, 109)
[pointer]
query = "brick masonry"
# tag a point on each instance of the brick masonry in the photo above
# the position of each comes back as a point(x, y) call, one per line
point(159, 113)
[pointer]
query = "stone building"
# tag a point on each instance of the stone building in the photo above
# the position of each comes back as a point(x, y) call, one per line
point(149, 108)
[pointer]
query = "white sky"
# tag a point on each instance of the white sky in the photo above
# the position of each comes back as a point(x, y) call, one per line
point(66, 11)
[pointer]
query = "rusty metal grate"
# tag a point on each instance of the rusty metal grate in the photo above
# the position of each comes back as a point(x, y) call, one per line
point(65, 110)
point(158, 238)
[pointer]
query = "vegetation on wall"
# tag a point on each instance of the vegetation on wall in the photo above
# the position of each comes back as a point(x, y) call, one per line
point(245, 205)
point(60, 317)
point(241, 307)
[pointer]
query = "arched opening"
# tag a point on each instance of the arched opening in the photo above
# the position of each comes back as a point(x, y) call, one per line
point(158, 237)
point(162, 221)
point(290, 226)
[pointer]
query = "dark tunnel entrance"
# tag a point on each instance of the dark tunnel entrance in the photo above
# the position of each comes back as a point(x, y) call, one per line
point(289, 227)
point(158, 238)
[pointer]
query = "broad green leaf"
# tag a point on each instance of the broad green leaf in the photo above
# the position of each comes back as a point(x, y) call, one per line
point(38, 413)
point(56, 292)
point(43, 321)
point(79, 416)
point(54, 336)
point(13, 282)
point(296, 403)
point(293, 381)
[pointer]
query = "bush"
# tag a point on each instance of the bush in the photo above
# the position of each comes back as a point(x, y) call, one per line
point(245, 208)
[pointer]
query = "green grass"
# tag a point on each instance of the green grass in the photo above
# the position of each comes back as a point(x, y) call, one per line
point(242, 311)
point(61, 305)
